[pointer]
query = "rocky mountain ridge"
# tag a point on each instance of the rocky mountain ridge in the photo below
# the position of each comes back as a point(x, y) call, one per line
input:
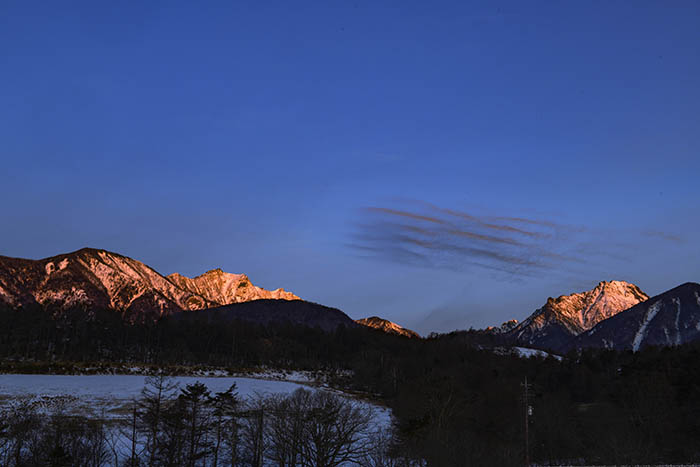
point(386, 326)
point(505, 327)
point(561, 319)
point(99, 278)
point(223, 288)
point(668, 319)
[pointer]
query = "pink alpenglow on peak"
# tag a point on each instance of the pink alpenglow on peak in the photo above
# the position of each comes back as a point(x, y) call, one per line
point(99, 279)
point(567, 316)
point(386, 326)
point(224, 288)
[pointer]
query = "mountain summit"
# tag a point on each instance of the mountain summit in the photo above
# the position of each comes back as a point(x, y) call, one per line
point(567, 316)
point(386, 326)
point(98, 278)
point(223, 288)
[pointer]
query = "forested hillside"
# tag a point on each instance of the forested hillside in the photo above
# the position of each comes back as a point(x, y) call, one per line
point(456, 401)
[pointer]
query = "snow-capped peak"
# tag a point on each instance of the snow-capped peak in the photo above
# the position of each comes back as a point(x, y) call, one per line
point(569, 315)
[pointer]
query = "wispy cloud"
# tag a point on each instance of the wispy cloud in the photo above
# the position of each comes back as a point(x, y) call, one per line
point(513, 247)
point(669, 237)
point(427, 235)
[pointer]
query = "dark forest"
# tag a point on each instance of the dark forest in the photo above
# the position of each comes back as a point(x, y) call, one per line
point(457, 398)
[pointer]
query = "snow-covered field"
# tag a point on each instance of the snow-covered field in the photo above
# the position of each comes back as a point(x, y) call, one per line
point(111, 395)
point(111, 398)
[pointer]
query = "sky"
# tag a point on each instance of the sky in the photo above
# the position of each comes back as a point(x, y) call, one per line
point(444, 165)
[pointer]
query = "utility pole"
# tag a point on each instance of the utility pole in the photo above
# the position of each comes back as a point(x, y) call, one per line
point(526, 400)
point(133, 461)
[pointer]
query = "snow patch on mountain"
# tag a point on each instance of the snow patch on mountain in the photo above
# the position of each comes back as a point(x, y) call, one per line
point(677, 302)
point(641, 333)
point(527, 353)
point(66, 297)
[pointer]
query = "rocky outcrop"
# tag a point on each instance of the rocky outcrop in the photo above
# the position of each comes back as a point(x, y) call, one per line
point(386, 326)
point(504, 327)
point(222, 288)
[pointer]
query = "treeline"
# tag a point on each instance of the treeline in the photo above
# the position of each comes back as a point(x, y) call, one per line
point(458, 405)
point(455, 400)
point(171, 426)
point(77, 335)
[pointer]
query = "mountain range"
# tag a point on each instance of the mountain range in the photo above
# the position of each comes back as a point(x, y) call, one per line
point(614, 314)
point(98, 278)
point(93, 278)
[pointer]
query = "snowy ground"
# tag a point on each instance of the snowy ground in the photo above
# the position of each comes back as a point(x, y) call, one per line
point(527, 353)
point(111, 395)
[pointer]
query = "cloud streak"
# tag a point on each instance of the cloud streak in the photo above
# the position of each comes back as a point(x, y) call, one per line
point(423, 234)
point(669, 237)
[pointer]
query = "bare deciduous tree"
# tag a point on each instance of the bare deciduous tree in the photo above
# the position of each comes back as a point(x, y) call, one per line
point(317, 429)
point(196, 428)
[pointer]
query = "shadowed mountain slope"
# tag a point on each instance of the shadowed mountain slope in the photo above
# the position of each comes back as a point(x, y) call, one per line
point(669, 319)
point(266, 311)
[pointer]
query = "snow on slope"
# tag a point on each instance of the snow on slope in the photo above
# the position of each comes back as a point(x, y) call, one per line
point(527, 353)
point(677, 322)
point(100, 278)
point(669, 319)
point(643, 327)
point(126, 280)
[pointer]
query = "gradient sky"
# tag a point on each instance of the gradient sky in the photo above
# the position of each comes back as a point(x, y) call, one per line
point(307, 144)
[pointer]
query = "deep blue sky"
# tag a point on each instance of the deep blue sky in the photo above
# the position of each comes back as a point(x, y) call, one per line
point(254, 138)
